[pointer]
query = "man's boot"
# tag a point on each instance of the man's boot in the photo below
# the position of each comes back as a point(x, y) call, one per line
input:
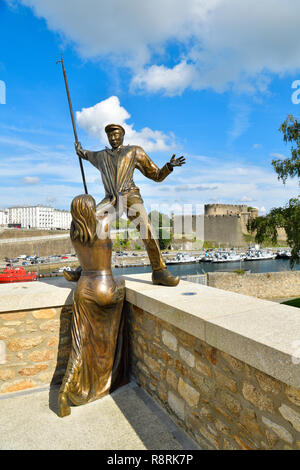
point(73, 276)
point(164, 278)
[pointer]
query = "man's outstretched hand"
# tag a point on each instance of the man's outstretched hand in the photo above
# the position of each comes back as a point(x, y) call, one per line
point(176, 161)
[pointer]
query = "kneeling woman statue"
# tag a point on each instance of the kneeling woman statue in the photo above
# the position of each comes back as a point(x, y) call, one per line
point(98, 360)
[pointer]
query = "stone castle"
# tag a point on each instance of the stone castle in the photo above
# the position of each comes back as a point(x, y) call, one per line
point(221, 223)
point(227, 223)
point(230, 209)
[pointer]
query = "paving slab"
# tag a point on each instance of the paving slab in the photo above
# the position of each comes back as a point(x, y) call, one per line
point(128, 419)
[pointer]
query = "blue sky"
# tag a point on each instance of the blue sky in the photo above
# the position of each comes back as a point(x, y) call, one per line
point(211, 80)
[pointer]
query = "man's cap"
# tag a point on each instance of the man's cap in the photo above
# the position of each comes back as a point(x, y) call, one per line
point(113, 127)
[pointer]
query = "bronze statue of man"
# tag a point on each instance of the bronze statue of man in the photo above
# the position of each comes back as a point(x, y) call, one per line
point(117, 166)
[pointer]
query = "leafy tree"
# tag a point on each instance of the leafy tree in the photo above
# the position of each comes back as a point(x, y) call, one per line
point(289, 166)
point(162, 225)
point(164, 239)
point(287, 217)
point(121, 243)
point(119, 223)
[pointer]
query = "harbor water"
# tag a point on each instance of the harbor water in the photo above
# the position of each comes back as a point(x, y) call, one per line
point(194, 269)
point(185, 269)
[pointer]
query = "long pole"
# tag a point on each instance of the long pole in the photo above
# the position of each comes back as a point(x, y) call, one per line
point(73, 120)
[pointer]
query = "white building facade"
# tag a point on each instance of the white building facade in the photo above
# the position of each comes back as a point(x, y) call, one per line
point(62, 219)
point(40, 217)
point(3, 217)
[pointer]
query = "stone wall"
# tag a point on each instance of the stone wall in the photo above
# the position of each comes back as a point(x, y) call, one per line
point(225, 209)
point(279, 285)
point(47, 247)
point(225, 229)
point(8, 233)
point(219, 400)
point(34, 348)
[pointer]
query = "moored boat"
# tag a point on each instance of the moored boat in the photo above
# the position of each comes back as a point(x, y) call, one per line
point(259, 255)
point(208, 257)
point(283, 254)
point(183, 258)
point(9, 275)
point(227, 257)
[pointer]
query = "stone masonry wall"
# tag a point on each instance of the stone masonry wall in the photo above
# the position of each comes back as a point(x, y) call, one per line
point(262, 285)
point(220, 401)
point(224, 229)
point(45, 247)
point(34, 348)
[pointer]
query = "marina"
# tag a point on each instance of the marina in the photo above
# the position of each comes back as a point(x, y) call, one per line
point(179, 263)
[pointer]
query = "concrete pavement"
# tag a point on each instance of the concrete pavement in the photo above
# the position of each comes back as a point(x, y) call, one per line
point(129, 419)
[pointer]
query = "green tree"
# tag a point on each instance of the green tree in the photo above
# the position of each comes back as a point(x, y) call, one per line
point(289, 166)
point(287, 217)
point(121, 243)
point(120, 223)
point(162, 224)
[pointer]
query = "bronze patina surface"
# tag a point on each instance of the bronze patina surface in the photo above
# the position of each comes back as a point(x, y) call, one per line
point(117, 166)
point(98, 359)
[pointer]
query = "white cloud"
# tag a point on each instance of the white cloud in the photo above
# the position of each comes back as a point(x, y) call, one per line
point(187, 188)
point(171, 81)
point(246, 199)
point(277, 155)
point(42, 163)
point(130, 31)
point(240, 121)
point(31, 180)
point(227, 181)
point(223, 43)
point(94, 119)
point(202, 179)
point(42, 194)
point(262, 211)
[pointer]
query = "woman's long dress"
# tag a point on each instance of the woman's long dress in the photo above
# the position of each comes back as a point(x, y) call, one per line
point(98, 359)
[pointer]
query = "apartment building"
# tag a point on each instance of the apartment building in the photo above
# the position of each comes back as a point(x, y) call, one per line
point(40, 217)
point(3, 217)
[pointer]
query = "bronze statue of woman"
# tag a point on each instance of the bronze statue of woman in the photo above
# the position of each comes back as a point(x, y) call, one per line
point(98, 360)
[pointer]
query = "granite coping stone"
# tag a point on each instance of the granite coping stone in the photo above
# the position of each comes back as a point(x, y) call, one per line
point(264, 334)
